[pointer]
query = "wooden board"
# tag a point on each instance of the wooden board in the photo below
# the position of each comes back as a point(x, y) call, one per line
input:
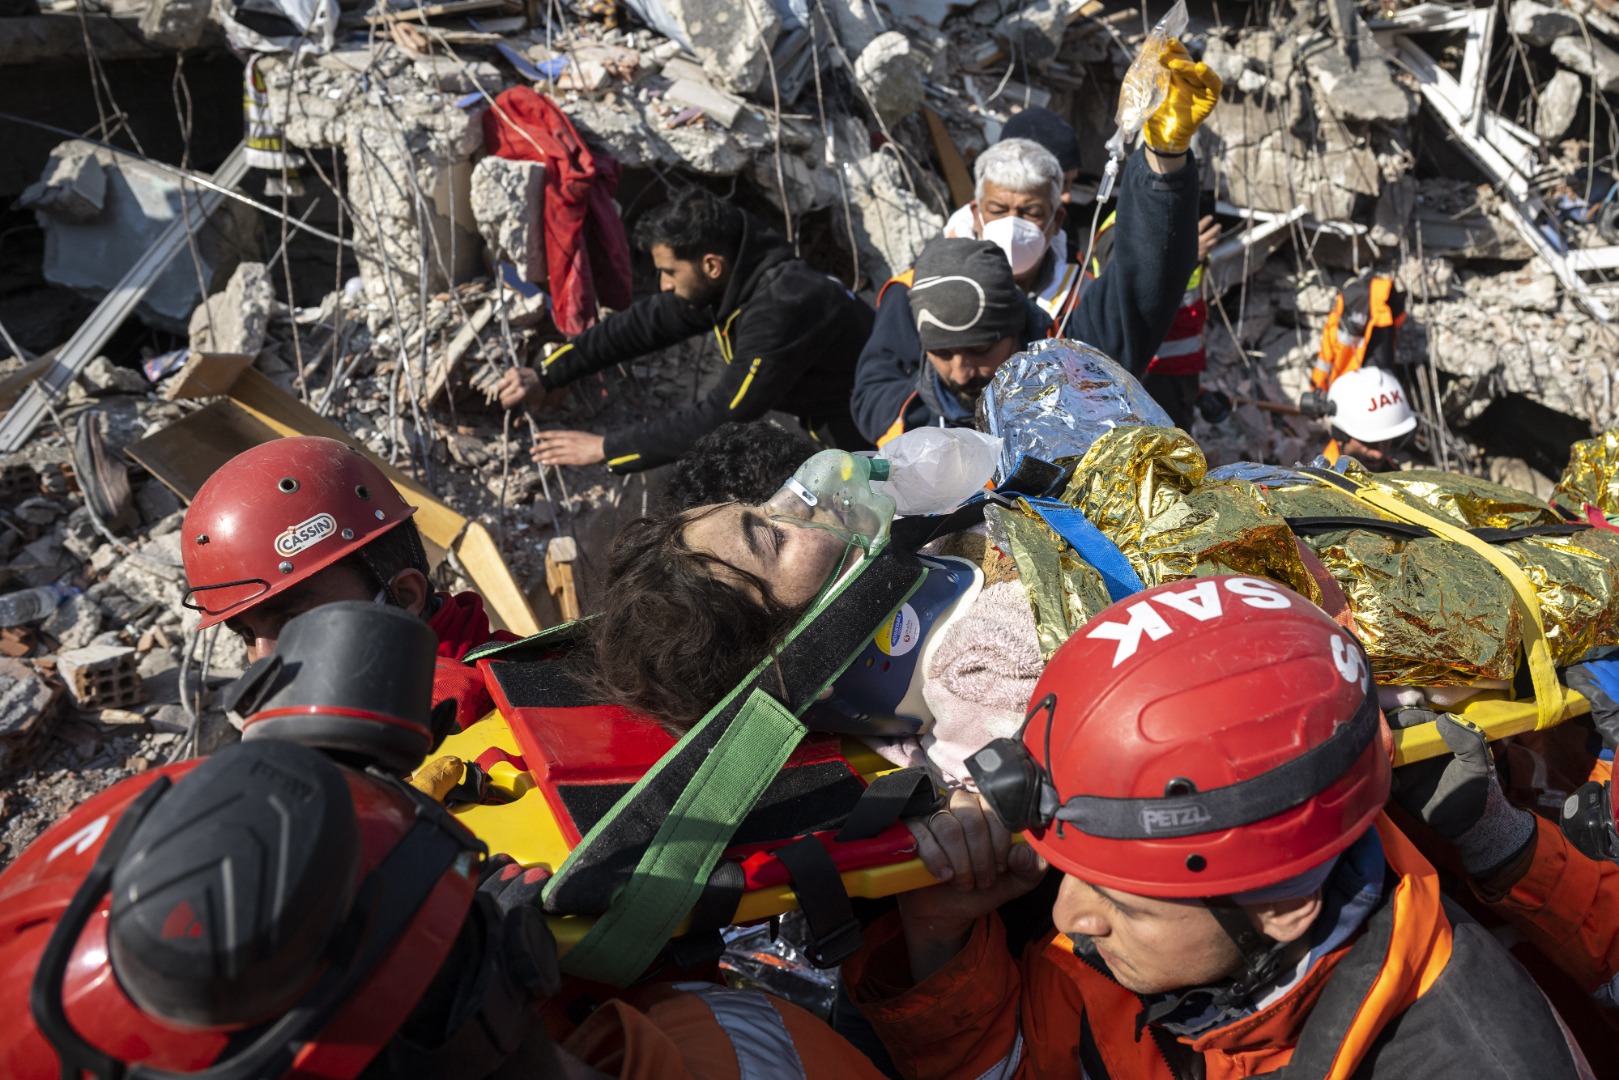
point(956, 174)
point(187, 452)
point(208, 375)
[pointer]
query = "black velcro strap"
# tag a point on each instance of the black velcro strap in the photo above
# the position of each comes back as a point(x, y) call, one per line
point(713, 912)
point(1242, 803)
point(835, 935)
point(903, 793)
point(1315, 526)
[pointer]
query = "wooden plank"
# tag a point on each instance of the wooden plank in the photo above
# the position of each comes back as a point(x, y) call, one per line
point(208, 375)
point(434, 11)
point(187, 452)
point(12, 385)
point(451, 357)
point(957, 177)
point(559, 580)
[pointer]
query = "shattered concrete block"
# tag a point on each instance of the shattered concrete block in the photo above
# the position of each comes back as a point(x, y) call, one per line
point(891, 224)
point(140, 203)
point(1593, 60)
point(100, 676)
point(857, 22)
point(235, 320)
point(102, 376)
point(1225, 61)
point(27, 711)
point(1366, 91)
point(891, 73)
point(175, 24)
point(508, 201)
point(459, 77)
point(73, 186)
point(1539, 292)
point(75, 622)
point(1559, 102)
point(1033, 29)
point(732, 39)
point(1540, 24)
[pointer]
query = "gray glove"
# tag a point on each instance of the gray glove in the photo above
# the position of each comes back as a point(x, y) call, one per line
point(1460, 798)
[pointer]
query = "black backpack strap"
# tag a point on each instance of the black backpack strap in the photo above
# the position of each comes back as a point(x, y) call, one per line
point(895, 795)
point(834, 931)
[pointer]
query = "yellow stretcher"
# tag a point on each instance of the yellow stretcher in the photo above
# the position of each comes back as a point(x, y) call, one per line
point(526, 829)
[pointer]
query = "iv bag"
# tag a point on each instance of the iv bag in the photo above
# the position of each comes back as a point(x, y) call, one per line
point(1146, 84)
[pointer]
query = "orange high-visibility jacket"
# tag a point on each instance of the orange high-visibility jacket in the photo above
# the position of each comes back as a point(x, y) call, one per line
point(1342, 351)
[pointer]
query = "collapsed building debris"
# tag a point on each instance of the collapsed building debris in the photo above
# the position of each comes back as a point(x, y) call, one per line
point(409, 264)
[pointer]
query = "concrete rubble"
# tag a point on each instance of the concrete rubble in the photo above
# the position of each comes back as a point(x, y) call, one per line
point(1448, 146)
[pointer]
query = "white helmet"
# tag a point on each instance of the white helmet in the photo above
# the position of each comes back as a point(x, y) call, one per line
point(1369, 404)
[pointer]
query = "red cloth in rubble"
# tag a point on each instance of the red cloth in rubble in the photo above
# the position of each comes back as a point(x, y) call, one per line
point(586, 254)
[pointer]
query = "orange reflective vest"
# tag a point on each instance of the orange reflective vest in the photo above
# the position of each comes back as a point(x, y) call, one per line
point(1343, 351)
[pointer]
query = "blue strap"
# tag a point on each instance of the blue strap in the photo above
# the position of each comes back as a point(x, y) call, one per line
point(1091, 545)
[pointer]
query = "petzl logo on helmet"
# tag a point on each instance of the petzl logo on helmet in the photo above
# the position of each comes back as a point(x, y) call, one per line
point(305, 534)
point(957, 300)
point(1177, 820)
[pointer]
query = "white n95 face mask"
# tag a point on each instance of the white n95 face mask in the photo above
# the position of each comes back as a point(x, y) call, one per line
point(1023, 241)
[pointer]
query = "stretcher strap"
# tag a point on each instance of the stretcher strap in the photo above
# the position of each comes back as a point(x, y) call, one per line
point(669, 879)
point(1091, 544)
point(1549, 703)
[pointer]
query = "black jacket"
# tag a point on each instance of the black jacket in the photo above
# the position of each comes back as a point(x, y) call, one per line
point(1125, 312)
point(789, 334)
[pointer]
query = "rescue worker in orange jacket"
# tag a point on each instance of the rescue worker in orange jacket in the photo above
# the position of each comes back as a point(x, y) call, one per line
point(1203, 765)
point(297, 523)
point(1362, 327)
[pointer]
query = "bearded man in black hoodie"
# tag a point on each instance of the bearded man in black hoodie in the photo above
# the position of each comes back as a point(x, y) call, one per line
point(790, 337)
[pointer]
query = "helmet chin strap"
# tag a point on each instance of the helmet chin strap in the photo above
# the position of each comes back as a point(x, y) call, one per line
point(1261, 961)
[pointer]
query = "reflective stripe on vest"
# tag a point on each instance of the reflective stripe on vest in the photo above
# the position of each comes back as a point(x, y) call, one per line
point(764, 1048)
point(1183, 347)
point(1340, 353)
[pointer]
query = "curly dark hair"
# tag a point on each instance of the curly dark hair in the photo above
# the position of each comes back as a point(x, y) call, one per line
point(679, 628)
point(693, 223)
point(737, 462)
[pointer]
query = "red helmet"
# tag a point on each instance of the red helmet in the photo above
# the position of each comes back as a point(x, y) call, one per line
point(263, 912)
point(278, 513)
point(1199, 739)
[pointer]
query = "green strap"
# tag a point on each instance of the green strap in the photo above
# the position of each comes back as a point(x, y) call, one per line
point(676, 866)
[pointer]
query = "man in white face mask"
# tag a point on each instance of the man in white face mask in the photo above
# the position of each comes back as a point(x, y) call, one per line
point(1018, 207)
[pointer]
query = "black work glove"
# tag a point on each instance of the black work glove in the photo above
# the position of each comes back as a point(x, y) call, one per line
point(1460, 798)
point(510, 884)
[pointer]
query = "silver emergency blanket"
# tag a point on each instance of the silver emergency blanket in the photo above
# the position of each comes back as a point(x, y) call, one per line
point(1055, 398)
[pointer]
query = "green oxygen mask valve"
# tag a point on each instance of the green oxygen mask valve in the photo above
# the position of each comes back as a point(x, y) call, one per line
point(832, 491)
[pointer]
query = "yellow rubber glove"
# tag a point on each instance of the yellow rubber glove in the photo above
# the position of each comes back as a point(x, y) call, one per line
point(1193, 90)
point(437, 777)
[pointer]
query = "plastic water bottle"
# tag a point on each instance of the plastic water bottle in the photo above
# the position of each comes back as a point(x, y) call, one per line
point(32, 605)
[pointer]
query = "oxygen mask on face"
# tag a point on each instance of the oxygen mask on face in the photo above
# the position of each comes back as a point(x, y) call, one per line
point(832, 491)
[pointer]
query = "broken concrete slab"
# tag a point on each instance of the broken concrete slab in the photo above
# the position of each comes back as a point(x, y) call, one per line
point(27, 711)
point(75, 622)
point(73, 186)
point(102, 376)
point(141, 202)
point(235, 320)
point(1559, 102)
point(1364, 91)
point(891, 224)
point(460, 76)
point(1592, 59)
point(891, 72)
point(508, 199)
point(732, 39)
point(175, 24)
point(1541, 24)
point(1033, 29)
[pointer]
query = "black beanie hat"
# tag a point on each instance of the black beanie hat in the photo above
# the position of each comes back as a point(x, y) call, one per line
point(963, 295)
point(1049, 130)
